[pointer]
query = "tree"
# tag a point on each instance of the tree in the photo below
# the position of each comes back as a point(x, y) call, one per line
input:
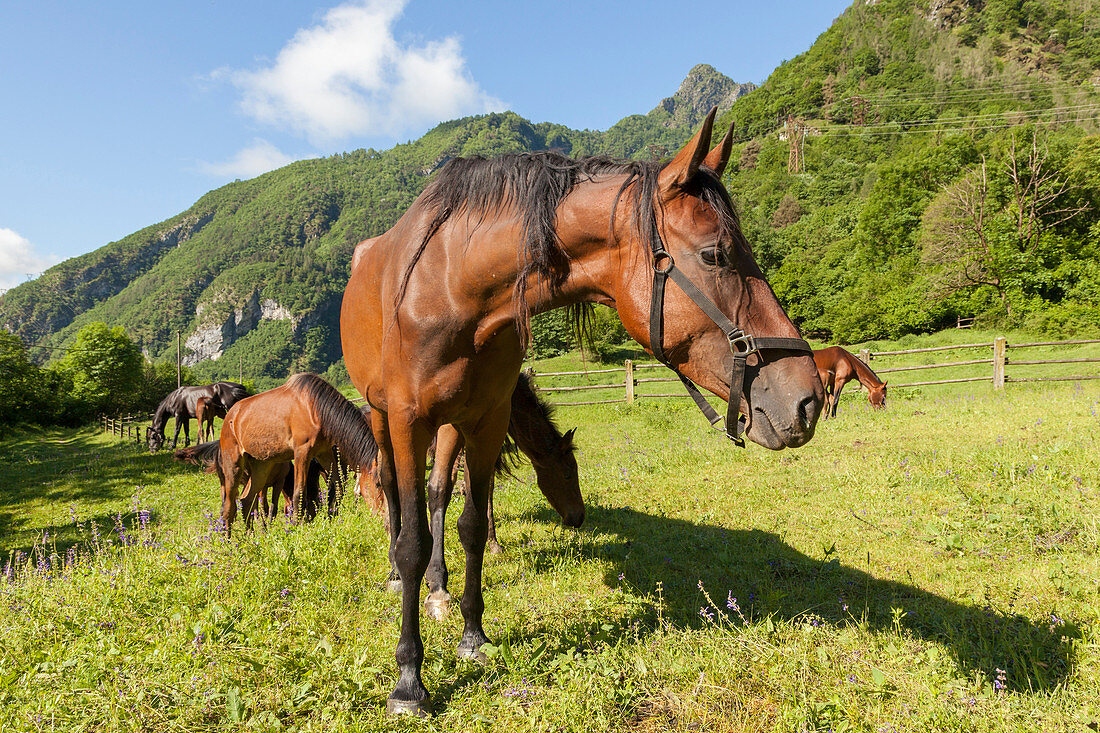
point(105, 367)
point(19, 380)
point(998, 231)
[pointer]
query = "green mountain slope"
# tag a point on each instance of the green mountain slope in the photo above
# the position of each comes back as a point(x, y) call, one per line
point(252, 274)
point(857, 241)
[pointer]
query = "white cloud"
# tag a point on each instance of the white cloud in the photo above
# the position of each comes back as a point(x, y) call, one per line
point(18, 259)
point(260, 157)
point(348, 75)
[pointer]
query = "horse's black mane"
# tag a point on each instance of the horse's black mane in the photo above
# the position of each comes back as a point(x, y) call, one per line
point(535, 184)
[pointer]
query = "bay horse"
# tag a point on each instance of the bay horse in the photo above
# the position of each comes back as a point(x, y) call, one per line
point(300, 421)
point(182, 404)
point(836, 367)
point(531, 430)
point(435, 322)
point(280, 481)
point(206, 409)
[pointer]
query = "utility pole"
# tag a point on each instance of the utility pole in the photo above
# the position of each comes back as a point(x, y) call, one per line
point(179, 362)
point(795, 132)
point(860, 106)
point(240, 369)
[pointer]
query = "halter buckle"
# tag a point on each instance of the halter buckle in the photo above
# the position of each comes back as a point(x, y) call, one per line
point(663, 256)
point(741, 343)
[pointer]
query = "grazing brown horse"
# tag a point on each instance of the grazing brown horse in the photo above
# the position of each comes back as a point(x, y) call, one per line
point(836, 367)
point(280, 480)
point(206, 409)
point(301, 421)
point(435, 322)
point(182, 404)
point(531, 430)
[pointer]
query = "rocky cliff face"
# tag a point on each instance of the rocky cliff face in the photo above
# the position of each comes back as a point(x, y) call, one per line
point(209, 341)
point(703, 88)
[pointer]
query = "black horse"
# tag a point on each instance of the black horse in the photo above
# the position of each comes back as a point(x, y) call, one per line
point(181, 405)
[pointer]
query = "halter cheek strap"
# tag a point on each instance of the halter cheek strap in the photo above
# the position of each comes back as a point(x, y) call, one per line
point(741, 344)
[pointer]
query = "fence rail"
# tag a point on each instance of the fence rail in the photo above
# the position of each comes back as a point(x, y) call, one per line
point(126, 427)
point(999, 359)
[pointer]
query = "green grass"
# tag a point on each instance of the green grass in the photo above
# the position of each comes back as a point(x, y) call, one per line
point(883, 573)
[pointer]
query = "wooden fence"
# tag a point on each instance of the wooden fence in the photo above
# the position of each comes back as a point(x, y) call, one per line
point(126, 427)
point(626, 380)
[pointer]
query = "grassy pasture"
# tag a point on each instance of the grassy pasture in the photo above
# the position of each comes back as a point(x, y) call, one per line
point(933, 567)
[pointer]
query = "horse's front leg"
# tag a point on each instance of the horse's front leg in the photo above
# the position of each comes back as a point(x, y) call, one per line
point(406, 441)
point(838, 385)
point(448, 444)
point(482, 451)
point(176, 437)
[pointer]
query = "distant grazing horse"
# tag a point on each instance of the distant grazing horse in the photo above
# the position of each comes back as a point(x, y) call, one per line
point(435, 323)
point(836, 367)
point(531, 430)
point(182, 404)
point(301, 421)
point(206, 409)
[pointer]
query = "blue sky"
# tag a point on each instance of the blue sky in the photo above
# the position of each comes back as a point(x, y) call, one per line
point(116, 115)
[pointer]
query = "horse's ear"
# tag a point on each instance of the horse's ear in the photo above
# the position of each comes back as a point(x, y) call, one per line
point(717, 159)
point(566, 442)
point(686, 164)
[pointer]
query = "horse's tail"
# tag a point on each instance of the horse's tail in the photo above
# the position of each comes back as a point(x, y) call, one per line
point(342, 423)
point(207, 455)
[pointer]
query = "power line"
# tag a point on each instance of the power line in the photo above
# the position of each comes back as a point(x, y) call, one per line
point(925, 131)
point(982, 89)
point(1077, 109)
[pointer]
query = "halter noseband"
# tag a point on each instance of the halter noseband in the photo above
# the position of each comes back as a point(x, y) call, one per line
point(741, 344)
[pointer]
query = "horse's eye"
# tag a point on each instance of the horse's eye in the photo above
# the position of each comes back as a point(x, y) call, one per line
point(713, 257)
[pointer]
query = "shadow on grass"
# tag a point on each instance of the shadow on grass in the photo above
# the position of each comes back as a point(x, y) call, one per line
point(770, 578)
point(43, 473)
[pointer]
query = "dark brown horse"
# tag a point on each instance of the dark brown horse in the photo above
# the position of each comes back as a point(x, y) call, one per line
point(436, 320)
point(531, 430)
point(836, 367)
point(301, 421)
point(182, 404)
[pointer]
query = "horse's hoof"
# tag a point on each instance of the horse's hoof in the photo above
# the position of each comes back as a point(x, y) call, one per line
point(470, 654)
point(438, 606)
point(494, 548)
point(419, 708)
point(394, 586)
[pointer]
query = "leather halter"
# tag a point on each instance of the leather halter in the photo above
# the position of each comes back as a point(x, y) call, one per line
point(741, 344)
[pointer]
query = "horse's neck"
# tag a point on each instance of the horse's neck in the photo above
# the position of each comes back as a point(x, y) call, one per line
point(160, 418)
point(585, 227)
point(863, 372)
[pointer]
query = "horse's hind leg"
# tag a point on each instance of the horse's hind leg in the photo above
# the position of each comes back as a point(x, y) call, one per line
point(448, 443)
point(491, 543)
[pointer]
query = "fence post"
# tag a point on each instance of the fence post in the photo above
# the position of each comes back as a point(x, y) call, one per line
point(865, 356)
point(999, 349)
point(629, 364)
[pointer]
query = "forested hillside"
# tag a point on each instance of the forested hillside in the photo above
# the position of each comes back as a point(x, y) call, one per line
point(924, 159)
point(950, 167)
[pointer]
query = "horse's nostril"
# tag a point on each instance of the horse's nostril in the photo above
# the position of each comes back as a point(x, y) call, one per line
point(807, 412)
point(574, 518)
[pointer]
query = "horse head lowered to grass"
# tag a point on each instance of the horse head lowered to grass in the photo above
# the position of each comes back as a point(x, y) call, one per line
point(435, 322)
point(183, 404)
